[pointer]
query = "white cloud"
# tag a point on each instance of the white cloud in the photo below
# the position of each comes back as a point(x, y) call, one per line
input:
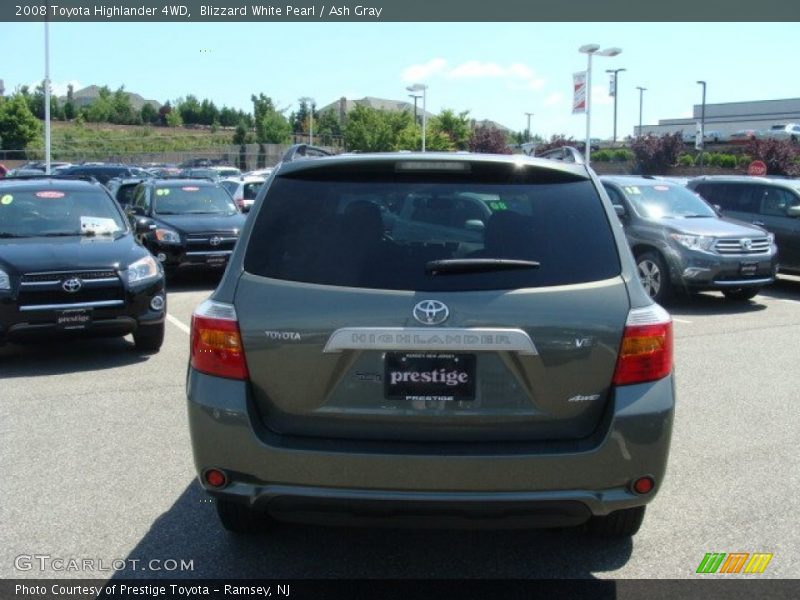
point(554, 99)
point(423, 71)
point(520, 76)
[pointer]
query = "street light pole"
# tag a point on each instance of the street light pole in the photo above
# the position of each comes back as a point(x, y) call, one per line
point(616, 73)
point(415, 97)
point(702, 124)
point(642, 90)
point(420, 87)
point(528, 130)
point(590, 50)
point(47, 95)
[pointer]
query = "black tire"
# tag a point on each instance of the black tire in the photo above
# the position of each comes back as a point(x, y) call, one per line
point(149, 338)
point(239, 518)
point(654, 275)
point(620, 523)
point(742, 294)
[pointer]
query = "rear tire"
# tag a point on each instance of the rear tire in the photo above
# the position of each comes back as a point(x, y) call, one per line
point(239, 518)
point(620, 523)
point(742, 294)
point(149, 338)
point(654, 275)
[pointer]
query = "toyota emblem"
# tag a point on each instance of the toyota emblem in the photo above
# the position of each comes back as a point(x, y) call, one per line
point(431, 312)
point(215, 241)
point(746, 243)
point(72, 285)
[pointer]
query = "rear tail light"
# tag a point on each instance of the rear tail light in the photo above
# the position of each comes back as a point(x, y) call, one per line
point(216, 347)
point(646, 350)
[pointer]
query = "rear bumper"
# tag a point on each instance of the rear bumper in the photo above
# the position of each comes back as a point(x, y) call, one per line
point(550, 483)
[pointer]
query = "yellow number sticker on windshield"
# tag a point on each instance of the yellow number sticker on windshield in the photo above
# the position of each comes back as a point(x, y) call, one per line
point(6, 200)
point(632, 189)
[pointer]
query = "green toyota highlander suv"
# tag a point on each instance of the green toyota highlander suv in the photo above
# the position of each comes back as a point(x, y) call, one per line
point(432, 338)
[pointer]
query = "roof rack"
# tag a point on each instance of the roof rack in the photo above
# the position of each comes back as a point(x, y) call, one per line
point(303, 151)
point(568, 154)
point(89, 178)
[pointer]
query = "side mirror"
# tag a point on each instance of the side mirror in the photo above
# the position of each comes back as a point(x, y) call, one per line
point(717, 208)
point(135, 210)
point(793, 211)
point(620, 210)
point(475, 225)
point(145, 225)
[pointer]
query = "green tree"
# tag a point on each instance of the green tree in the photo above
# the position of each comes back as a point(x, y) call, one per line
point(174, 119)
point(371, 130)
point(101, 109)
point(148, 113)
point(209, 113)
point(489, 140)
point(456, 127)
point(273, 128)
point(327, 127)
point(121, 109)
point(18, 126)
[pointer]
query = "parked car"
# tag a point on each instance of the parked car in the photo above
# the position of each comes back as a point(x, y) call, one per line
point(679, 242)
point(70, 266)
point(786, 131)
point(123, 188)
point(567, 154)
point(103, 172)
point(243, 190)
point(346, 368)
point(186, 222)
point(200, 173)
point(224, 171)
point(744, 136)
point(769, 202)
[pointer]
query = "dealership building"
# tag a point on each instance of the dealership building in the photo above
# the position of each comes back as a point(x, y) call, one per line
point(730, 117)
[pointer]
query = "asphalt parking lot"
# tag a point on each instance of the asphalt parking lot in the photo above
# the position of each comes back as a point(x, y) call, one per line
point(95, 449)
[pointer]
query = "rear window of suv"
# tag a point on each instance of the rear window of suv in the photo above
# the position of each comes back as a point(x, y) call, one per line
point(383, 232)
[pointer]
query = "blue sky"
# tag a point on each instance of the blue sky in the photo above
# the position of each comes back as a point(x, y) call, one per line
point(497, 71)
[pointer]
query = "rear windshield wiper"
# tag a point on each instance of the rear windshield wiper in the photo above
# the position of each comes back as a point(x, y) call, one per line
point(456, 266)
point(6, 234)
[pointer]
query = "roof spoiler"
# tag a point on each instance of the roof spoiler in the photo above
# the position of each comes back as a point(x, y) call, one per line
point(304, 151)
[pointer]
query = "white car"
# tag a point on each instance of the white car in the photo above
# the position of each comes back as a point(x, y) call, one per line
point(243, 189)
point(785, 131)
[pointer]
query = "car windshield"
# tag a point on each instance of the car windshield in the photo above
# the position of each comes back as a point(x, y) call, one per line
point(436, 236)
point(251, 190)
point(193, 199)
point(661, 201)
point(58, 212)
point(125, 194)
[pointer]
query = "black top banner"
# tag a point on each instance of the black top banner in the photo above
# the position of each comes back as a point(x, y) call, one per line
point(398, 11)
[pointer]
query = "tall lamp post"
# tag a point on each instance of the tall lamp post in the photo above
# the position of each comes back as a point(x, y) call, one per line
point(420, 87)
point(616, 73)
point(415, 97)
point(528, 130)
point(642, 90)
point(590, 50)
point(310, 102)
point(702, 123)
point(47, 95)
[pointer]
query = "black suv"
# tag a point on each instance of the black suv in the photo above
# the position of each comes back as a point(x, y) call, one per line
point(70, 265)
point(186, 222)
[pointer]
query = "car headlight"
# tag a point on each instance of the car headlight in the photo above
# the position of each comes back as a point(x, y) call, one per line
point(770, 239)
point(143, 269)
point(5, 281)
point(167, 235)
point(693, 242)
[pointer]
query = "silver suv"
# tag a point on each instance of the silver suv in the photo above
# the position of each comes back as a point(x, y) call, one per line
point(440, 337)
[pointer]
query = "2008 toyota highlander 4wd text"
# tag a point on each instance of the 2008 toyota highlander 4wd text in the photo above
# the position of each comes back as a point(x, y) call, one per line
point(432, 338)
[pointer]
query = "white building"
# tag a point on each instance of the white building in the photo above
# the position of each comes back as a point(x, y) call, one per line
point(729, 117)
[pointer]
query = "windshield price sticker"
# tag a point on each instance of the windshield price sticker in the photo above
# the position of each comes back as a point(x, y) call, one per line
point(190, 188)
point(50, 194)
point(661, 188)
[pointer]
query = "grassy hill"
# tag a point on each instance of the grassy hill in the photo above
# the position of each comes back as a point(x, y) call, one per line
point(73, 141)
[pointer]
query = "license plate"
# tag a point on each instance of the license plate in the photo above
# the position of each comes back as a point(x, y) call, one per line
point(748, 268)
point(216, 261)
point(429, 376)
point(74, 319)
